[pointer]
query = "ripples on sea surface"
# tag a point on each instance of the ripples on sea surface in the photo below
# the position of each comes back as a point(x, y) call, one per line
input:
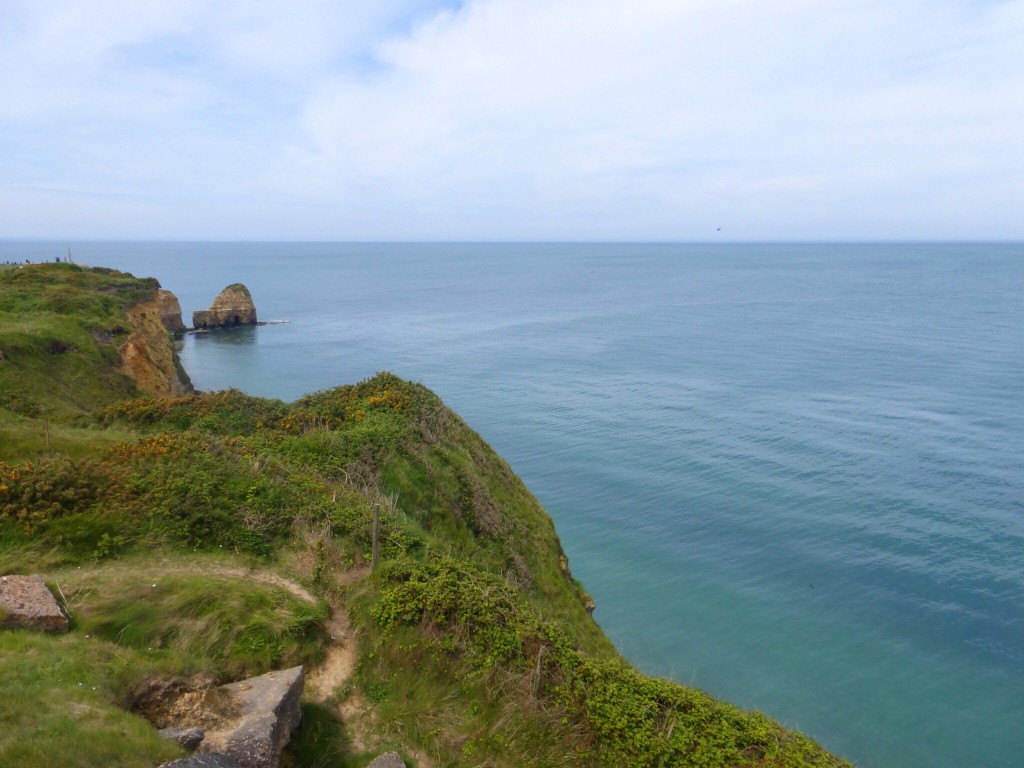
point(790, 475)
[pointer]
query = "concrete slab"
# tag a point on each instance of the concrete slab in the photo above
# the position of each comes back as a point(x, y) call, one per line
point(26, 602)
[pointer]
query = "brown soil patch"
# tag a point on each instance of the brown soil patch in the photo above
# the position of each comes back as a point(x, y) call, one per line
point(195, 701)
point(340, 662)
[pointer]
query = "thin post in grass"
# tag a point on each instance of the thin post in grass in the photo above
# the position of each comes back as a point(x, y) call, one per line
point(537, 672)
point(46, 426)
point(376, 531)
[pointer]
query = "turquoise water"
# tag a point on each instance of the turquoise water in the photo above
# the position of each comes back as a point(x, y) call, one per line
point(792, 475)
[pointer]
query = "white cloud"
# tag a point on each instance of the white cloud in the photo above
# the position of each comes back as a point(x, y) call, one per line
point(521, 118)
point(690, 107)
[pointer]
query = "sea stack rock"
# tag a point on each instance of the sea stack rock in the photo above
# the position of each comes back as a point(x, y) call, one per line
point(233, 306)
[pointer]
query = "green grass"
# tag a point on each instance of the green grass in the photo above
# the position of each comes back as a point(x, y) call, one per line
point(230, 625)
point(60, 327)
point(24, 438)
point(63, 703)
point(65, 699)
point(322, 741)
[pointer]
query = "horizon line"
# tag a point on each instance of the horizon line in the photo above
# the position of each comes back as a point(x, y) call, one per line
point(566, 241)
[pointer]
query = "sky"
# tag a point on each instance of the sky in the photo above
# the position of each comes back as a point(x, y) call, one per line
point(666, 120)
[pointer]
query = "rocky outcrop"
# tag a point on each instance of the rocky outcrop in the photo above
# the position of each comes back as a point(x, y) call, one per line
point(26, 602)
point(170, 312)
point(267, 712)
point(148, 355)
point(204, 761)
point(233, 306)
point(388, 760)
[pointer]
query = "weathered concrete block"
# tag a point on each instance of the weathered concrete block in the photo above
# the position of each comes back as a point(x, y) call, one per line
point(26, 602)
point(268, 712)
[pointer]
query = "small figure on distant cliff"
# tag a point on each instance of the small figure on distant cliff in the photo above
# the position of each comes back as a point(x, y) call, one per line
point(233, 306)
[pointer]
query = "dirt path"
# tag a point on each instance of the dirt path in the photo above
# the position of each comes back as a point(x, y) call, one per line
point(264, 577)
point(324, 680)
point(155, 570)
point(340, 662)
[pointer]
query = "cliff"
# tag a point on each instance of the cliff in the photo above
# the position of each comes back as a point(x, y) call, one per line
point(148, 356)
point(74, 339)
point(170, 312)
point(233, 306)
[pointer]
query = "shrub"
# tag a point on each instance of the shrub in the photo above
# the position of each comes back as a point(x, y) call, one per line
point(33, 493)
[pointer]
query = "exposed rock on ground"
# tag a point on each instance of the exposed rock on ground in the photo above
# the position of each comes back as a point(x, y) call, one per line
point(204, 761)
point(26, 602)
point(388, 760)
point(180, 704)
point(233, 306)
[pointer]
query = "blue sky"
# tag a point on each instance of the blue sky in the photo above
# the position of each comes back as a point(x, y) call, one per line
point(512, 119)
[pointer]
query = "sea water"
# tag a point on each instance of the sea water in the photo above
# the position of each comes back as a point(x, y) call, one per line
point(791, 475)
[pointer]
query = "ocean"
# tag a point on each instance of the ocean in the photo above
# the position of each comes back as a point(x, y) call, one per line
point(791, 475)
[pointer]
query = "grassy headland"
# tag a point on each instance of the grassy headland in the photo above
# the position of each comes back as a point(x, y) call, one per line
point(154, 515)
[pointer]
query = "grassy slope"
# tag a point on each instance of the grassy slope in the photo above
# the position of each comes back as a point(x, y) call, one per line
point(475, 644)
point(60, 327)
point(66, 699)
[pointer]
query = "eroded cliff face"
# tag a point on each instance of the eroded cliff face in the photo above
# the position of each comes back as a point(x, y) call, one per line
point(233, 306)
point(170, 312)
point(148, 355)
